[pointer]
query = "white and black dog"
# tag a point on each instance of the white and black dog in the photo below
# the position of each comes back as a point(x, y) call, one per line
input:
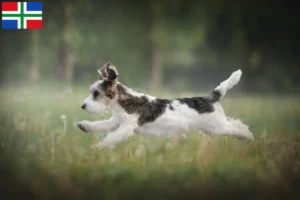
point(152, 116)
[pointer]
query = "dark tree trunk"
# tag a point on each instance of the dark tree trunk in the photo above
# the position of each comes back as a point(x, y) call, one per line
point(155, 82)
point(34, 71)
point(67, 54)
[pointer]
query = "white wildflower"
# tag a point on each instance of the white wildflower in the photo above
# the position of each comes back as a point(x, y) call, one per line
point(169, 145)
point(140, 151)
point(21, 125)
point(63, 117)
point(113, 159)
point(159, 159)
point(264, 133)
point(74, 124)
point(47, 115)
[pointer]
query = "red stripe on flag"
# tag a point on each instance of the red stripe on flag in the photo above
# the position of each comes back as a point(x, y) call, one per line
point(9, 6)
point(34, 24)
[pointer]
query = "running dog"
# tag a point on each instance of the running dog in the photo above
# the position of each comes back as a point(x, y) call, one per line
point(136, 112)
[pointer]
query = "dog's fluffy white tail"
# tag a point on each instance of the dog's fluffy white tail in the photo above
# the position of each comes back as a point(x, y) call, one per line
point(220, 91)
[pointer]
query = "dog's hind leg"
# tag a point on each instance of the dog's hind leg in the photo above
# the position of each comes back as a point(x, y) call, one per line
point(239, 130)
point(223, 125)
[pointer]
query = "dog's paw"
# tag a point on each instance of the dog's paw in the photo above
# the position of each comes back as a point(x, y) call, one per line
point(83, 126)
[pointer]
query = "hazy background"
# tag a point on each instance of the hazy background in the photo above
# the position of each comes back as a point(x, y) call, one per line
point(170, 48)
point(171, 44)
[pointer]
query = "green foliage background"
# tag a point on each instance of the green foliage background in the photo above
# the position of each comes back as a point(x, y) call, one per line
point(200, 42)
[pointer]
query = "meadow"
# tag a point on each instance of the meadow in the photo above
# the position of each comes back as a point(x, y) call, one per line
point(45, 156)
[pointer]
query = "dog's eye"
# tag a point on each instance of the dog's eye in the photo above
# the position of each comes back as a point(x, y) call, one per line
point(95, 94)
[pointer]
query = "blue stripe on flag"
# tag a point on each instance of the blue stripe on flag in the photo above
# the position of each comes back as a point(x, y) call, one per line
point(9, 24)
point(34, 6)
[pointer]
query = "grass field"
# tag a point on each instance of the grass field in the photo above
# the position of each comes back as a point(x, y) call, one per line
point(45, 156)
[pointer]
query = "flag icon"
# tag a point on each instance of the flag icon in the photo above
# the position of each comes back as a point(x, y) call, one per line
point(22, 15)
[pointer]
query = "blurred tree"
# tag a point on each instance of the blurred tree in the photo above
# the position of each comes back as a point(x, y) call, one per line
point(67, 62)
point(34, 71)
point(198, 42)
point(155, 82)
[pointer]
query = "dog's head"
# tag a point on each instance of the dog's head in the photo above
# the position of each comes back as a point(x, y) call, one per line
point(103, 91)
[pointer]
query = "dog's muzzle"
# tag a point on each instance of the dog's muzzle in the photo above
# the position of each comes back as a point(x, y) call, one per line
point(83, 106)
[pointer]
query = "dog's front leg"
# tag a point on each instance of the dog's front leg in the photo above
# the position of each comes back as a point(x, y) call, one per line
point(123, 132)
point(98, 126)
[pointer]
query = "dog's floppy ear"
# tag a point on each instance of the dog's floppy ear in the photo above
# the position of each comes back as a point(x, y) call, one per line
point(108, 72)
point(112, 73)
point(103, 71)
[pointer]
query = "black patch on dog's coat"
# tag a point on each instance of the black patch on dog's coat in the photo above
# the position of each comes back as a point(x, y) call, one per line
point(215, 96)
point(200, 104)
point(108, 88)
point(147, 110)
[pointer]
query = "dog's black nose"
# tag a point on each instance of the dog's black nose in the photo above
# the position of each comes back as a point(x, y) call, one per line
point(83, 106)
